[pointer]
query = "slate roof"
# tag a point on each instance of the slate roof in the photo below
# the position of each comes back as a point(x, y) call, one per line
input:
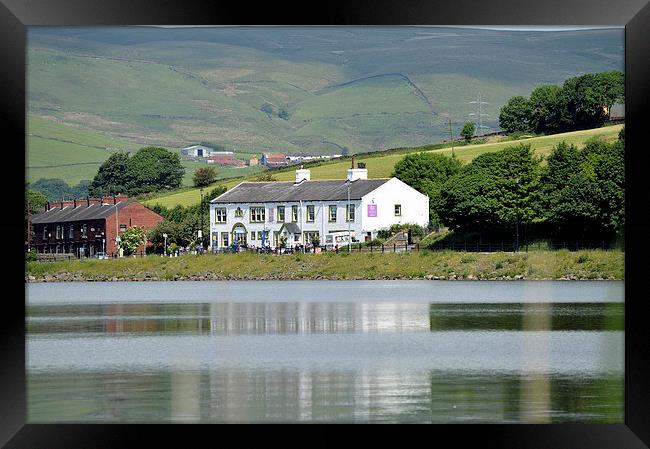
point(280, 191)
point(293, 228)
point(81, 212)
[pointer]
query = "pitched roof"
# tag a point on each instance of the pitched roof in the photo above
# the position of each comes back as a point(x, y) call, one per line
point(81, 212)
point(293, 228)
point(324, 190)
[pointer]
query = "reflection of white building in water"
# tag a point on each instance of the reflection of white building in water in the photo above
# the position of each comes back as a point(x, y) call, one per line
point(261, 213)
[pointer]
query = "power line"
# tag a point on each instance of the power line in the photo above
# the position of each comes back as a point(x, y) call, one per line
point(479, 115)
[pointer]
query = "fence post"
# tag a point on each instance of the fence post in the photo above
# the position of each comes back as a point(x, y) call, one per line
point(417, 247)
point(501, 245)
point(382, 248)
point(477, 248)
point(370, 246)
point(394, 247)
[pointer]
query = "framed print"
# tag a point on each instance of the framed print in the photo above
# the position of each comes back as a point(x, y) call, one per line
point(204, 241)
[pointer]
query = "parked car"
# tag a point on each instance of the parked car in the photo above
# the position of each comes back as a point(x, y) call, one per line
point(101, 256)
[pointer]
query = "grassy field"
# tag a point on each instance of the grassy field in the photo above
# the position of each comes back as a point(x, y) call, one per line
point(592, 264)
point(55, 150)
point(382, 166)
point(364, 88)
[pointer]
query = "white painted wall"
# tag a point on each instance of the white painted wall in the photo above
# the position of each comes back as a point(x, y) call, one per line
point(415, 206)
point(415, 209)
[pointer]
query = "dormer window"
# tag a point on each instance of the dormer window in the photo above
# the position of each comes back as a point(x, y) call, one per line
point(84, 231)
point(238, 212)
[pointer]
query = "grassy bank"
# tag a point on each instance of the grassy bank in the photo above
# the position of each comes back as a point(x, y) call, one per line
point(591, 264)
point(381, 165)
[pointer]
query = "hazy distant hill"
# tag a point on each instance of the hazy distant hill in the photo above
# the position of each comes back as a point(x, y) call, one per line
point(364, 88)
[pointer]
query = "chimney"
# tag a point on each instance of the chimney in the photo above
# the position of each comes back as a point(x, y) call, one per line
point(74, 203)
point(361, 172)
point(114, 200)
point(87, 201)
point(302, 174)
point(47, 206)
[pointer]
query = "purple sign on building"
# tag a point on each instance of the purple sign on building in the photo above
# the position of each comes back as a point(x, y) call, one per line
point(372, 210)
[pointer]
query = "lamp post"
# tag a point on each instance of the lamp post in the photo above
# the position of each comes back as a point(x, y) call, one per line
point(117, 231)
point(200, 233)
point(348, 219)
point(517, 216)
point(165, 250)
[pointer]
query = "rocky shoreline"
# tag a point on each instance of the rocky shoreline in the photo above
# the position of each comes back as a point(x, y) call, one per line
point(75, 277)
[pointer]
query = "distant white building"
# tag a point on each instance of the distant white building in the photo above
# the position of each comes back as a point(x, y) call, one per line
point(197, 151)
point(255, 212)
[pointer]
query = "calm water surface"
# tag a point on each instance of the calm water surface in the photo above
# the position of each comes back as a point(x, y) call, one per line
point(325, 351)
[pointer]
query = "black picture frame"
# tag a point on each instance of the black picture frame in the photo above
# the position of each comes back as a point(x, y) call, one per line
point(15, 15)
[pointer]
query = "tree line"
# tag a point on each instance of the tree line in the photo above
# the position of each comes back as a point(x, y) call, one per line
point(571, 194)
point(182, 223)
point(150, 169)
point(581, 102)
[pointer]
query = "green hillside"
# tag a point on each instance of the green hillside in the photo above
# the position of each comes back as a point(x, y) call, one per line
point(55, 150)
point(381, 166)
point(362, 88)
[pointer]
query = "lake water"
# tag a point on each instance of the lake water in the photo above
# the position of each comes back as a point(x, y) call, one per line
point(325, 351)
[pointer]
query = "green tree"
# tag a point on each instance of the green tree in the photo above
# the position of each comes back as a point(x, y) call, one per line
point(204, 176)
point(515, 115)
point(492, 192)
point(590, 97)
point(546, 108)
point(153, 168)
point(265, 177)
point(53, 188)
point(427, 172)
point(34, 203)
point(468, 131)
point(132, 239)
point(112, 177)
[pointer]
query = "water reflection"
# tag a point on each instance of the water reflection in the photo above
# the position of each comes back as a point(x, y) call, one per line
point(287, 395)
point(347, 358)
point(307, 317)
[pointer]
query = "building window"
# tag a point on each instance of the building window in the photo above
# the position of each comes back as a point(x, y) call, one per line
point(280, 214)
point(71, 232)
point(311, 212)
point(294, 213)
point(220, 214)
point(309, 236)
point(259, 235)
point(252, 235)
point(44, 232)
point(224, 239)
point(238, 213)
point(398, 210)
point(332, 212)
point(257, 214)
point(122, 227)
point(59, 234)
point(349, 212)
point(84, 231)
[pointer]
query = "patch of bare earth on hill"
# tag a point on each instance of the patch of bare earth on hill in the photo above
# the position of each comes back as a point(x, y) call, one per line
point(88, 120)
point(208, 131)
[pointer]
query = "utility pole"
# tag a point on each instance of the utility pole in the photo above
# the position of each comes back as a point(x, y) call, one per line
point(451, 137)
point(479, 115)
point(517, 217)
point(200, 233)
point(348, 219)
point(29, 229)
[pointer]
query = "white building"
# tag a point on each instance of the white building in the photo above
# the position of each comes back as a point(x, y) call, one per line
point(197, 151)
point(255, 212)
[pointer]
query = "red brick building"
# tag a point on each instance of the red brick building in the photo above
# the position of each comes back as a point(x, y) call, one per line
point(88, 226)
point(226, 160)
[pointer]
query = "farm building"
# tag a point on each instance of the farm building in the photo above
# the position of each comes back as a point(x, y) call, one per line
point(196, 151)
point(227, 160)
point(252, 162)
point(275, 160)
point(264, 213)
point(88, 226)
